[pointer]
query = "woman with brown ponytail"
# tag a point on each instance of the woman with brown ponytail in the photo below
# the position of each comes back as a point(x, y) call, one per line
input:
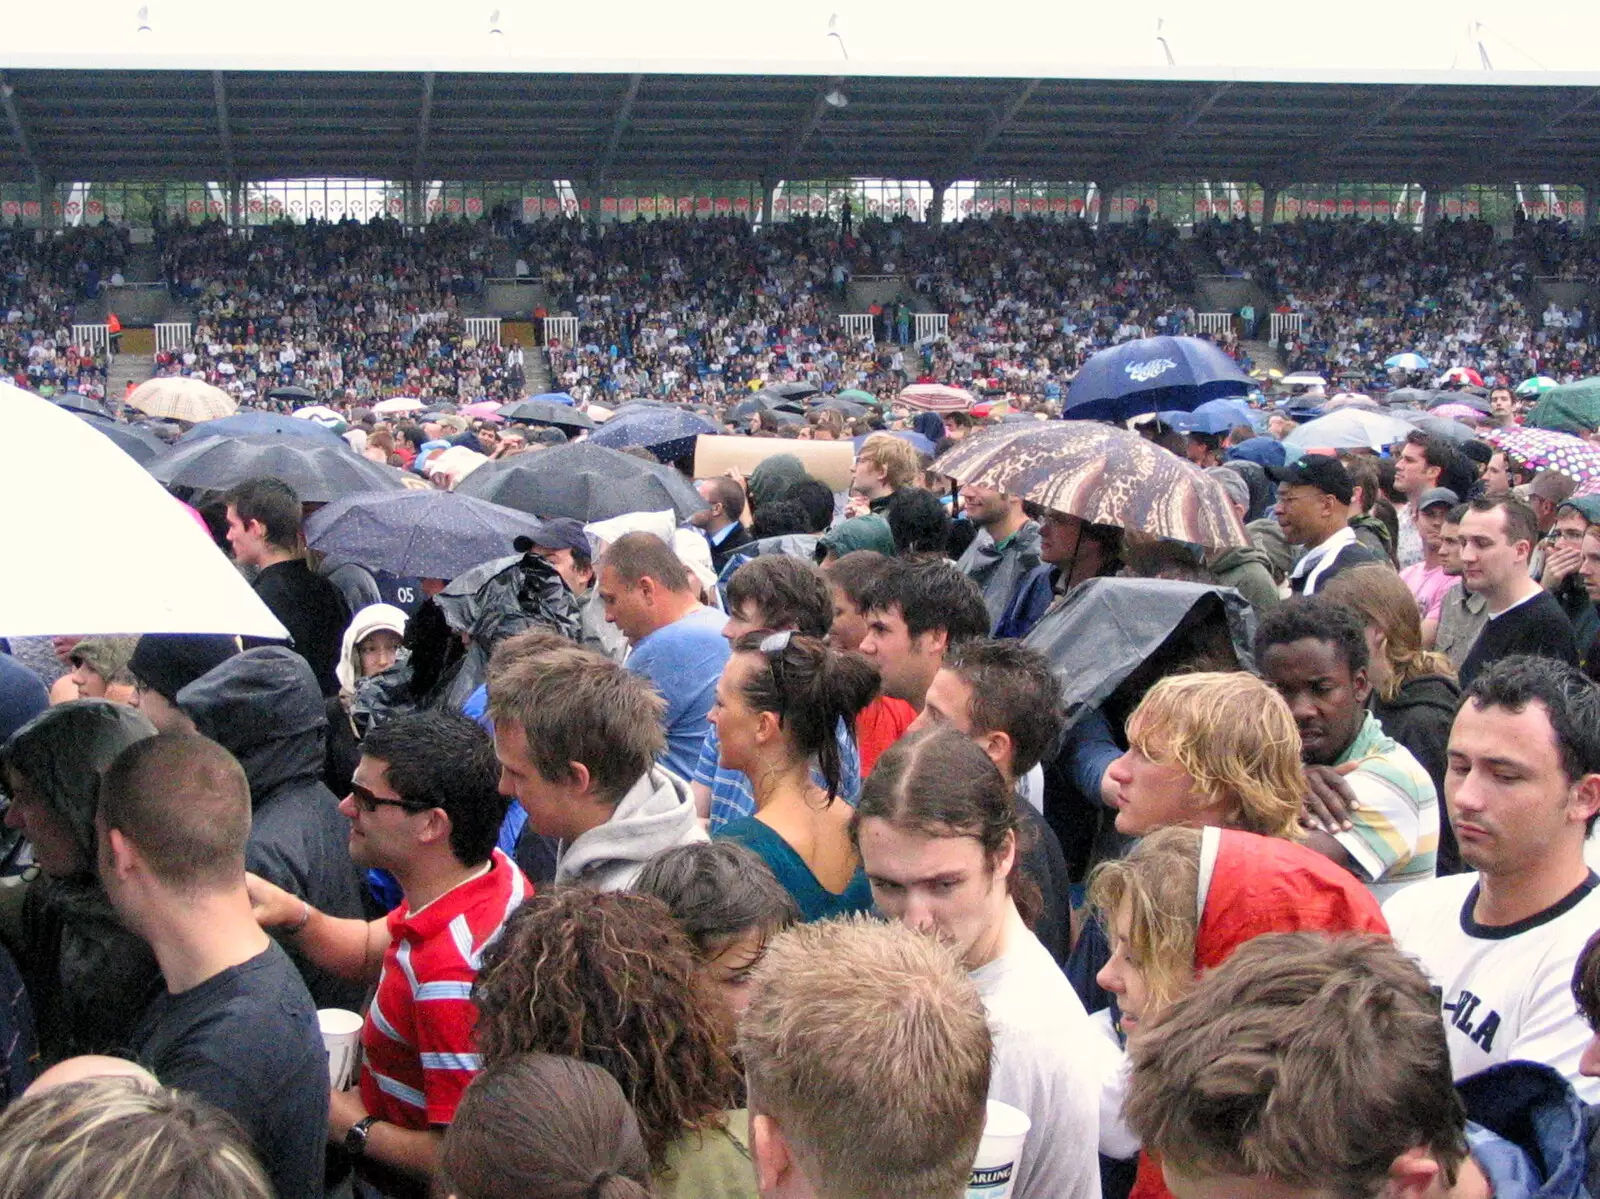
point(779, 703)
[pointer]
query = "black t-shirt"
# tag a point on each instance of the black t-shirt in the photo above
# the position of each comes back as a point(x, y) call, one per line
point(1536, 626)
point(247, 1041)
point(314, 612)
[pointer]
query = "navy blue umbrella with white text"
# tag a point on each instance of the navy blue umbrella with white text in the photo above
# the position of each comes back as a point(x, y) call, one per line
point(1151, 374)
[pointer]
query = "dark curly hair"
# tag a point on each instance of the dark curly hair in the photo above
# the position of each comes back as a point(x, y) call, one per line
point(610, 977)
point(1315, 618)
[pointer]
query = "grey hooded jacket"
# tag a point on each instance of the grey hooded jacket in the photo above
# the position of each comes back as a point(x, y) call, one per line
point(656, 814)
point(998, 571)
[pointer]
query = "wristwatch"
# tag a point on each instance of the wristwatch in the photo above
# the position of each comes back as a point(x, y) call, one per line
point(355, 1141)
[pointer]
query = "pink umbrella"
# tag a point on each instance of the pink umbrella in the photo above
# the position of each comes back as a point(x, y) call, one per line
point(487, 410)
point(1545, 449)
point(1459, 412)
point(937, 397)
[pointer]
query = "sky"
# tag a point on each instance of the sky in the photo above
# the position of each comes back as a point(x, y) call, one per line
point(1358, 40)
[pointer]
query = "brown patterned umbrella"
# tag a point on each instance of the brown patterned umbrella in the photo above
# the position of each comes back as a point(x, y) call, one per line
point(1100, 473)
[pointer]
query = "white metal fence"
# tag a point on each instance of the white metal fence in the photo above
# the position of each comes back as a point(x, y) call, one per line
point(1214, 322)
point(94, 338)
point(173, 335)
point(484, 330)
point(856, 324)
point(560, 330)
point(1285, 323)
point(932, 325)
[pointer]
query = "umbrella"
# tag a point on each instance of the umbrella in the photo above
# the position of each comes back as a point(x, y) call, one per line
point(1303, 379)
point(1150, 374)
point(324, 416)
point(139, 443)
point(1099, 473)
point(937, 397)
point(669, 433)
point(910, 436)
point(1212, 417)
point(318, 473)
point(176, 397)
point(1408, 397)
point(298, 394)
point(556, 397)
point(1571, 407)
point(858, 396)
point(1409, 361)
point(151, 569)
point(1545, 449)
point(266, 424)
point(1349, 399)
point(793, 391)
point(543, 412)
point(1441, 426)
point(73, 402)
point(488, 410)
point(761, 401)
point(417, 534)
point(398, 404)
point(582, 480)
point(1461, 374)
point(1438, 399)
point(1458, 412)
point(843, 406)
point(1536, 386)
point(1348, 429)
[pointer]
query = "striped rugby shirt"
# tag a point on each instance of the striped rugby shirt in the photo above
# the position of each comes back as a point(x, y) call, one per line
point(1396, 836)
point(417, 1044)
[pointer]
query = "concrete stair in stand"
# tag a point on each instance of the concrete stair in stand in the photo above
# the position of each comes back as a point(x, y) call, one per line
point(130, 366)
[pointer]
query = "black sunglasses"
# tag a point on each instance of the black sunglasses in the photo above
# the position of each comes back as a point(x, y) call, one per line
point(369, 803)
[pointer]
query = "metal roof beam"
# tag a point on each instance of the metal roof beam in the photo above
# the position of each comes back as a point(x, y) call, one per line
point(803, 130)
point(1174, 132)
point(995, 123)
point(1500, 159)
point(424, 118)
point(619, 126)
point(219, 93)
point(18, 132)
point(1375, 117)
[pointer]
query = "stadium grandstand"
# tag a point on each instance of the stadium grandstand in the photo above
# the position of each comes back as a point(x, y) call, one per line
point(495, 223)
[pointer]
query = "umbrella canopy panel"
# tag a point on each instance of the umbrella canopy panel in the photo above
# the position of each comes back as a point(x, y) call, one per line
point(175, 397)
point(417, 534)
point(584, 481)
point(317, 473)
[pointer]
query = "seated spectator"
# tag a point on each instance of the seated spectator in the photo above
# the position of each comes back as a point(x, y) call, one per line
point(1315, 653)
point(89, 978)
point(845, 1012)
point(778, 706)
point(731, 906)
point(109, 1137)
point(677, 641)
point(578, 738)
point(937, 833)
point(1186, 899)
point(235, 1026)
point(538, 1125)
point(611, 979)
point(1414, 692)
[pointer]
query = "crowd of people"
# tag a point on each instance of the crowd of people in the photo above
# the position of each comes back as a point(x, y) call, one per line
point(41, 282)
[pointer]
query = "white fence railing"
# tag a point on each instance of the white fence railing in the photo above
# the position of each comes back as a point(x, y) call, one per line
point(931, 325)
point(173, 335)
point(1285, 322)
point(560, 330)
point(485, 330)
point(1214, 322)
point(856, 324)
point(94, 338)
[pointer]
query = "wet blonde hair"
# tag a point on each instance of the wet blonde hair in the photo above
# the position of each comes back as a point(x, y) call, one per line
point(1159, 881)
point(1235, 737)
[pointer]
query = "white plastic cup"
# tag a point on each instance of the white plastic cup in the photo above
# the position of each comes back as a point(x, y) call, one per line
point(994, 1170)
point(341, 1034)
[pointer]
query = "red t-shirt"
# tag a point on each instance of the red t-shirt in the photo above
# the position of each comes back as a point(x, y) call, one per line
point(879, 725)
point(418, 1052)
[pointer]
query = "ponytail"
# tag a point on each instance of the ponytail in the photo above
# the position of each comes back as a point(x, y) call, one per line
point(615, 1186)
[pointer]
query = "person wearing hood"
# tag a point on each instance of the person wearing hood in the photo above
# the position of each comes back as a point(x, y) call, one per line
point(930, 425)
point(1246, 569)
point(577, 737)
point(88, 976)
point(371, 645)
point(100, 668)
point(868, 532)
point(1180, 904)
point(1414, 691)
point(1005, 550)
point(1284, 1037)
point(264, 707)
point(772, 478)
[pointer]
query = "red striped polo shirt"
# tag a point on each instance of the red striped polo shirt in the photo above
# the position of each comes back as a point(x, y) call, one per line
point(418, 1053)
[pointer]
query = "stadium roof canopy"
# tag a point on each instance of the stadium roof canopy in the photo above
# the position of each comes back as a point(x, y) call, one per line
point(633, 89)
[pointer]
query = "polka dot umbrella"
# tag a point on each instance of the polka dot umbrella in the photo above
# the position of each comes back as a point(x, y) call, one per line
point(1545, 449)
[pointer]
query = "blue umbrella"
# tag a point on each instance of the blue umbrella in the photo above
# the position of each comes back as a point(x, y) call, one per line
point(265, 424)
point(1409, 361)
point(556, 397)
point(668, 433)
point(1151, 374)
point(422, 534)
point(918, 442)
point(1212, 417)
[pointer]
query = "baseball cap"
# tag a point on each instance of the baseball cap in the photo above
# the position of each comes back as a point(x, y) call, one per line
point(1586, 506)
point(1233, 483)
point(557, 533)
point(1553, 486)
point(1437, 495)
point(1321, 471)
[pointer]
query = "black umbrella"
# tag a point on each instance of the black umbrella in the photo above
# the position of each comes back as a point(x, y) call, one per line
point(317, 473)
point(669, 433)
point(848, 407)
point(421, 534)
point(73, 402)
point(543, 412)
point(793, 391)
point(1438, 399)
point(297, 394)
point(584, 481)
point(760, 401)
point(143, 446)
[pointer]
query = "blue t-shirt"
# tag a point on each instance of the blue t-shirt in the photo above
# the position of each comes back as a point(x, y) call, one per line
point(814, 900)
point(732, 795)
point(684, 660)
